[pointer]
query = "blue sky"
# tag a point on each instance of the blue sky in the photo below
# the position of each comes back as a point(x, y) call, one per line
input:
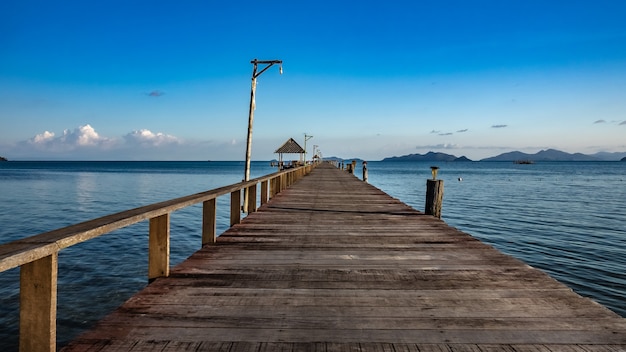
point(170, 80)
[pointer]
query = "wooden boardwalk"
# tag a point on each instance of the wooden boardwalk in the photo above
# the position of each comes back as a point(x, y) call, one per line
point(334, 264)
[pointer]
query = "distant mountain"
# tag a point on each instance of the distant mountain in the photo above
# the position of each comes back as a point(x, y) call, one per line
point(609, 156)
point(430, 156)
point(544, 155)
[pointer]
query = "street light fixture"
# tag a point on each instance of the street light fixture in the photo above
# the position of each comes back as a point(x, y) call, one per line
point(255, 73)
point(306, 138)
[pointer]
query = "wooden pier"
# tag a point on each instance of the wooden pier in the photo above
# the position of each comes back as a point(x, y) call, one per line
point(334, 264)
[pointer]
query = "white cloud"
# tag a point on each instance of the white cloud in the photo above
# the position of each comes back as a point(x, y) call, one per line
point(84, 142)
point(146, 137)
point(439, 146)
point(42, 138)
point(83, 136)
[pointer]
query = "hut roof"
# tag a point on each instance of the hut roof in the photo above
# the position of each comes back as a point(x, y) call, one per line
point(290, 147)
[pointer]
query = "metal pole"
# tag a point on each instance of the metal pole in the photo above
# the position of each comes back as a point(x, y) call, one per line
point(306, 138)
point(250, 120)
point(255, 74)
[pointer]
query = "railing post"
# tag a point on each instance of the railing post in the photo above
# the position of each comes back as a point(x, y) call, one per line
point(273, 188)
point(38, 304)
point(209, 213)
point(159, 247)
point(252, 198)
point(264, 189)
point(276, 186)
point(235, 207)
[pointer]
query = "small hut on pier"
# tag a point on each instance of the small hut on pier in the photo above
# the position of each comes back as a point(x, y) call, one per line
point(290, 147)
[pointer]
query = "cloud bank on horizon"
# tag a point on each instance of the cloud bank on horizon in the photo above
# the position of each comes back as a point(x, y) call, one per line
point(84, 142)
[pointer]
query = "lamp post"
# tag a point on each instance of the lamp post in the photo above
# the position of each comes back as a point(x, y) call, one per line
point(255, 73)
point(306, 138)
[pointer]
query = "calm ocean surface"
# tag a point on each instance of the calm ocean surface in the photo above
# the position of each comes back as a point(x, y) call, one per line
point(565, 218)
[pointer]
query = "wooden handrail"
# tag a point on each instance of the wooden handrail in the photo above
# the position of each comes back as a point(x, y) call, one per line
point(37, 256)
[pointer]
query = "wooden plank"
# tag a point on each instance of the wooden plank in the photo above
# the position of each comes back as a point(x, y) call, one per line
point(334, 264)
point(171, 332)
point(252, 317)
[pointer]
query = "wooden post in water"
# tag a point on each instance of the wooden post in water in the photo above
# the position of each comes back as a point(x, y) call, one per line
point(364, 171)
point(434, 194)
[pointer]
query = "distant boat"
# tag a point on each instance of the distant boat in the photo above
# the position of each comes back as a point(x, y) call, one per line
point(524, 162)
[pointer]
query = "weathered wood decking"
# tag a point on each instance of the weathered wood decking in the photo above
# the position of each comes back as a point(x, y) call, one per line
point(334, 264)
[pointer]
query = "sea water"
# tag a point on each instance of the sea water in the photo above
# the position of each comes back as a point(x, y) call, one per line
point(565, 218)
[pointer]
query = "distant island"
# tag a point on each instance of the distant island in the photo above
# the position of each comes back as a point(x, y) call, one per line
point(544, 155)
point(430, 156)
point(338, 159)
point(516, 156)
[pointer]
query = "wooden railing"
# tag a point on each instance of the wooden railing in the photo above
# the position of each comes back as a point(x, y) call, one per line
point(37, 256)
